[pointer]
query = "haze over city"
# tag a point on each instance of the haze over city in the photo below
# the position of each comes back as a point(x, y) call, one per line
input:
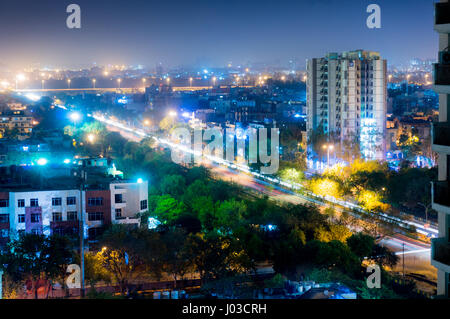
point(209, 33)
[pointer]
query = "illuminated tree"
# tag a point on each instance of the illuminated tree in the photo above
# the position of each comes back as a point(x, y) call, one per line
point(325, 187)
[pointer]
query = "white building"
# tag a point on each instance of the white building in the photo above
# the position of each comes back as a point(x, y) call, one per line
point(59, 211)
point(440, 247)
point(347, 99)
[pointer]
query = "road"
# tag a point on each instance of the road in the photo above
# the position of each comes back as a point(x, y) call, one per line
point(416, 255)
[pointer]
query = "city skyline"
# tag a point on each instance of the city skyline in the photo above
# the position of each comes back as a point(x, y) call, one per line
point(149, 32)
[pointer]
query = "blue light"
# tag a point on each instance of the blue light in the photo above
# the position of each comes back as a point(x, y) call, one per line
point(140, 181)
point(66, 161)
point(42, 161)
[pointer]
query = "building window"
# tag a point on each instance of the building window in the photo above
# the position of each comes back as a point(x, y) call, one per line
point(118, 213)
point(21, 218)
point(34, 202)
point(71, 200)
point(4, 233)
point(95, 216)
point(35, 231)
point(58, 231)
point(72, 216)
point(21, 203)
point(4, 218)
point(56, 201)
point(4, 203)
point(118, 198)
point(143, 204)
point(57, 217)
point(95, 201)
point(35, 218)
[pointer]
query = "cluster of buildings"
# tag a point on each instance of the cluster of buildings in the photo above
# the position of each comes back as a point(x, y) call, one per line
point(50, 199)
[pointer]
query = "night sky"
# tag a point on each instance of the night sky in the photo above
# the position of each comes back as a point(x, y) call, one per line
point(209, 32)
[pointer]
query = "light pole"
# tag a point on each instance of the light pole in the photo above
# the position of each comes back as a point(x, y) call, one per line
point(1, 293)
point(68, 83)
point(43, 83)
point(93, 82)
point(190, 82)
point(81, 225)
point(214, 81)
point(143, 82)
point(328, 147)
point(118, 82)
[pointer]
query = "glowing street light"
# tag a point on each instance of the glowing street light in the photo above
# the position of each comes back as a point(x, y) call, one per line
point(68, 83)
point(283, 78)
point(172, 113)
point(43, 84)
point(140, 181)
point(190, 81)
point(91, 138)
point(93, 82)
point(143, 82)
point(214, 80)
point(42, 161)
point(147, 122)
point(328, 147)
point(19, 78)
point(118, 82)
point(168, 80)
point(75, 116)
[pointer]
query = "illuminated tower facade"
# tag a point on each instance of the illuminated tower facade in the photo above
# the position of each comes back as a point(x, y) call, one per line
point(347, 99)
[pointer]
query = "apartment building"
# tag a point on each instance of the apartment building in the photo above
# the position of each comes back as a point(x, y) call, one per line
point(440, 247)
point(347, 100)
point(59, 210)
point(18, 120)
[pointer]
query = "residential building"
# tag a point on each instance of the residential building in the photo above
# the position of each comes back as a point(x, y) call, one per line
point(347, 100)
point(59, 210)
point(16, 120)
point(440, 247)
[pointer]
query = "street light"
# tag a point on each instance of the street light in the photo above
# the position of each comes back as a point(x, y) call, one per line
point(75, 116)
point(118, 82)
point(172, 113)
point(19, 78)
point(93, 82)
point(328, 147)
point(43, 83)
point(42, 161)
point(214, 81)
point(91, 138)
point(168, 80)
point(68, 83)
point(190, 82)
point(143, 82)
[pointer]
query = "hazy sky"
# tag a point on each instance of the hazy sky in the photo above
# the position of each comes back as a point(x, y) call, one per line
point(216, 31)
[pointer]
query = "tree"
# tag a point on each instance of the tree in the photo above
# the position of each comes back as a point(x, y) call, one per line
point(361, 244)
point(174, 185)
point(167, 123)
point(169, 209)
point(33, 257)
point(123, 254)
point(175, 257)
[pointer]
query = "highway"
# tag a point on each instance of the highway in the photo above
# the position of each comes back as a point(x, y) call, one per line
point(283, 191)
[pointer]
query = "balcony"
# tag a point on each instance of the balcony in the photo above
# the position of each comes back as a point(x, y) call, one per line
point(442, 78)
point(440, 253)
point(442, 17)
point(440, 133)
point(441, 196)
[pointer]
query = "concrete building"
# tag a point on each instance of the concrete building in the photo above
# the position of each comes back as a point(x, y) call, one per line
point(18, 120)
point(440, 247)
point(347, 99)
point(59, 210)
